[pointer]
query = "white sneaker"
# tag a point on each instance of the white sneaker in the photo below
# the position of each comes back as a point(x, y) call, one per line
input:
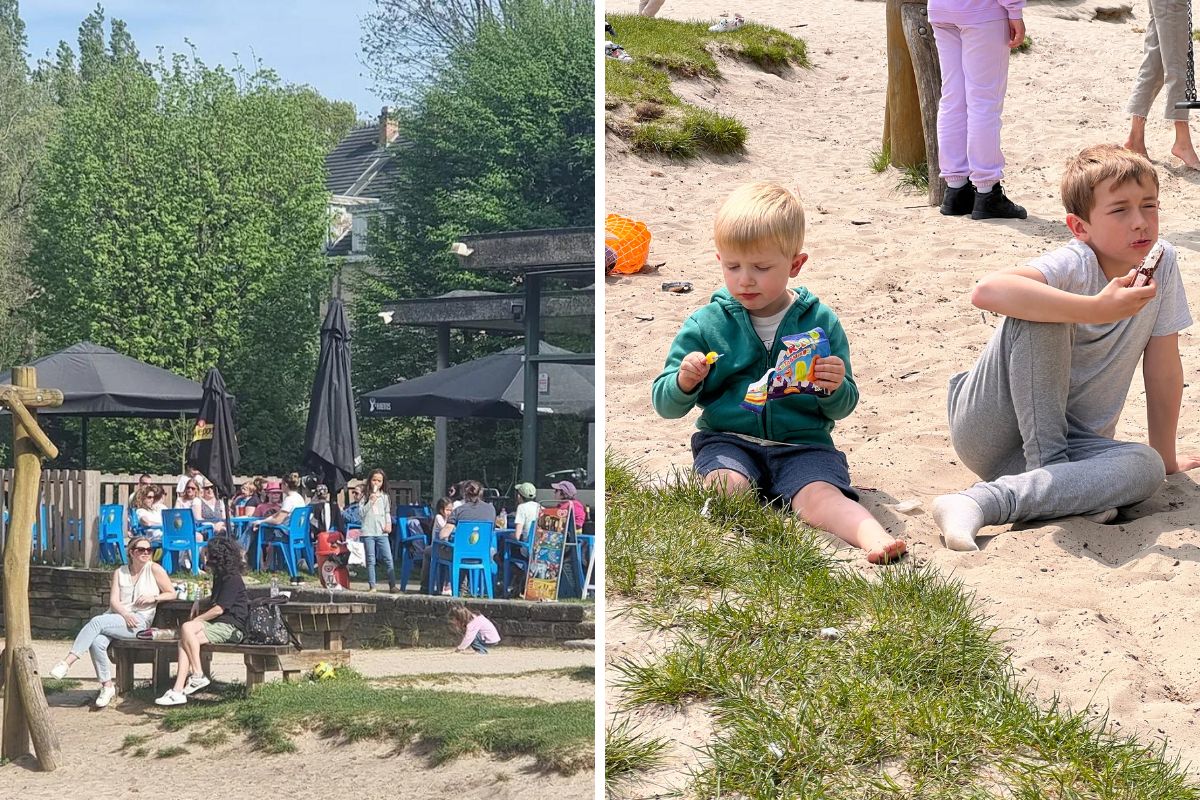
point(728, 24)
point(107, 693)
point(616, 52)
point(60, 670)
point(195, 683)
point(171, 698)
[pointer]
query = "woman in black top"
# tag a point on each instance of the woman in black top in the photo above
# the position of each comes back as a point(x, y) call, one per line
point(222, 620)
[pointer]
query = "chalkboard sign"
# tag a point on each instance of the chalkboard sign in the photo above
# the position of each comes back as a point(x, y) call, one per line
point(546, 555)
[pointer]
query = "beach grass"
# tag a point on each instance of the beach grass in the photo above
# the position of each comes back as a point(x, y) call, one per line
point(559, 736)
point(59, 685)
point(629, 754)
point(881, 159)
point(641, 103)
point(914, 177)
point(823, 680)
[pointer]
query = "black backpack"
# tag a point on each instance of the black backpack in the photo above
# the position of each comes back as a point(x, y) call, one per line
point(266, 625)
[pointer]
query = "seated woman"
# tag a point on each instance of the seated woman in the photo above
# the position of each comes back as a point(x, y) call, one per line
point(222, 619)
point(190, 498)
point(212, 510)
point(136, 591)
point(248, 500)
point(149, 513)
point(473, 509)
point(565, 492)
point(527, 509)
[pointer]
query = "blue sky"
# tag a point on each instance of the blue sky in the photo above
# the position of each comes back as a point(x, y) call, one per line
point(314, 42)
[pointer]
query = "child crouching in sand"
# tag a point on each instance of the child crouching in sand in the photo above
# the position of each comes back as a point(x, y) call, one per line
point(1036, 415)
point(478, 632)
point(770, 368)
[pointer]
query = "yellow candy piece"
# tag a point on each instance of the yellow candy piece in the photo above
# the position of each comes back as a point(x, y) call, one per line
point(711, 358)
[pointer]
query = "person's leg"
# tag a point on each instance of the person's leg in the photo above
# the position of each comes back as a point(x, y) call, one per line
point(385, 553)
point(724, 462)
point(985, 80)
point(822, 505)
point(479, 646)
point(1174, 33)
point(191, 636)
point(952, 107)
point(99, 646)
point(85, 638)
point(1145, 87)
point(369, 549)
point(648, 8)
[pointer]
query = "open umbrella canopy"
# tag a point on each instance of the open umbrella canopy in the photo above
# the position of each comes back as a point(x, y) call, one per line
point(492, 387)
point(214, 447)
point(99, 382)
point(331, 438)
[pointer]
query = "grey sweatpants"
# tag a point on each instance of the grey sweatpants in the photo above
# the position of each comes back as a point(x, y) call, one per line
point(1009, 425)
point(1165, 59)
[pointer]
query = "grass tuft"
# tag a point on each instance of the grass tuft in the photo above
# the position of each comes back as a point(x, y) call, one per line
point(170, 752)
point(915, 696)
point(638, 95)
point(1025, 45)
point(58, 686)
point(881, 159)
point(628, 753)
point(133, 740)
point(915, 177)
point(213, 737)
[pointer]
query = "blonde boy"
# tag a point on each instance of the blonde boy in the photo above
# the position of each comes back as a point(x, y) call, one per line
point(1035, 416)
point(778, 378)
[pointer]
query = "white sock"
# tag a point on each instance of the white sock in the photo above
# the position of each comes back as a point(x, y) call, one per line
point(960, 519)
point(984, 188)
point(956, 183)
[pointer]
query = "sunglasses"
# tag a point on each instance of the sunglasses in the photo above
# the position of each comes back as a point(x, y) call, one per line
point(141, 549)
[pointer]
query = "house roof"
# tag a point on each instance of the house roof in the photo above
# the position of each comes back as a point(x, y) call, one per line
point(358, 167)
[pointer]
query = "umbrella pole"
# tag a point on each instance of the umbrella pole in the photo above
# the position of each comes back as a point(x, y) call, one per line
point(529, 415)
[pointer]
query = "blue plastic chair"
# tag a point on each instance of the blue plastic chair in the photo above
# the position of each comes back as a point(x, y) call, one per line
point(403, 541)
point(179, 536)
point(515, 553)
point(112, 534)
point(470, 549)
point(292, 541)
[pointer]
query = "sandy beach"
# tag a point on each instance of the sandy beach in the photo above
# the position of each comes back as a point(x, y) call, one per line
point(1102, 614)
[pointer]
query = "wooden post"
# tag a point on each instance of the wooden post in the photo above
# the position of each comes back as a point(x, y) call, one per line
point(922, 49)
point(90, 511)
point(24, 704)
point(903, 134)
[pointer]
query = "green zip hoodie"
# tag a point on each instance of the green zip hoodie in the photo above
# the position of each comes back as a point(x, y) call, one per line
point(724, 326)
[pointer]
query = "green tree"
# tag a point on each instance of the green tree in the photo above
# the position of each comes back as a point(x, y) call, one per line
point(180, 222)
point(26, 118)
point(493, 142)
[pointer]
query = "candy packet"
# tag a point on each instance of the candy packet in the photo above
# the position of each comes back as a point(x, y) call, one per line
point(792, 373)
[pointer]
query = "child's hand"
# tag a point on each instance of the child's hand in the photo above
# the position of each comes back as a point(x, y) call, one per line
point(828, 372)
point(1117, 301)
point(692, 371)
point(1016, 33)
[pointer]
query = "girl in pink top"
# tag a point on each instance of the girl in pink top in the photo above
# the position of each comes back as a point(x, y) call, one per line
point(973, 40)
point(477, 630)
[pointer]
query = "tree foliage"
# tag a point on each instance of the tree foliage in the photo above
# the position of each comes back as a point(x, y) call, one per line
point(27, 115)
point(180, 221)
point(494, 142)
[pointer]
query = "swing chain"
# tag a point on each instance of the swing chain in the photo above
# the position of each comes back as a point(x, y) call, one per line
point(1190, 87)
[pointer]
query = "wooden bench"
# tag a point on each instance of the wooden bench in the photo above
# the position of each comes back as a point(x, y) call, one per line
point(259, 659)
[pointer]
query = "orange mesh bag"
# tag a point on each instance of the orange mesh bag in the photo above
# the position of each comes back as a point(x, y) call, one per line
point(630, 240)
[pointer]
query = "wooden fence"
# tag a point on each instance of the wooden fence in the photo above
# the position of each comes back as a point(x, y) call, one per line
point(71, 500)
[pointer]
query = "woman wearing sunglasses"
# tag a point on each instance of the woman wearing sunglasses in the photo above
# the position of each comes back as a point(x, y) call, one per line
point(137, 588)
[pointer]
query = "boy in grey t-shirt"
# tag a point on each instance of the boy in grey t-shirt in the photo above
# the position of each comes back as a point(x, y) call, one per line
point(1035, 416)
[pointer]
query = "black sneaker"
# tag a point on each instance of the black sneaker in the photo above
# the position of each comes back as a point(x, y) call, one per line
point(960, 201)
point(994, 205)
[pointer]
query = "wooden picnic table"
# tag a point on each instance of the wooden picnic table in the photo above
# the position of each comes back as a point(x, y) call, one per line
point(331, 620)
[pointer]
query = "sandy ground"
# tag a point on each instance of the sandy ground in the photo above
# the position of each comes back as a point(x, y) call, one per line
point(1103, 614)
point(95, 767)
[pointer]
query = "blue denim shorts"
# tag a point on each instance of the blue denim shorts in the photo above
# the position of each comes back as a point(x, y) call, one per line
point(779, 471)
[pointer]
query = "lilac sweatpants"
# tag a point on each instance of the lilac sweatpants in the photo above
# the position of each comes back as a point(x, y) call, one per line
point(974, 61)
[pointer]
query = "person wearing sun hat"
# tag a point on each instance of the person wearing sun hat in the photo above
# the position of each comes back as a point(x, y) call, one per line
point(565, 491)
point(528, 508)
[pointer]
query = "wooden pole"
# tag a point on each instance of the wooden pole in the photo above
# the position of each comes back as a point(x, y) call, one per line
point(25, 709)
point(903, 134)
point(928, 73)
point(29, 685)
point(22, 502)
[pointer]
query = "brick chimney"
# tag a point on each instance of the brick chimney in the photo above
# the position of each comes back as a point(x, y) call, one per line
point(388, 129)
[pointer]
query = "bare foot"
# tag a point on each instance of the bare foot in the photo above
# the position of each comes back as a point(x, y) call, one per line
point(1188, 156)
point(888, 554)
point(1140, 149)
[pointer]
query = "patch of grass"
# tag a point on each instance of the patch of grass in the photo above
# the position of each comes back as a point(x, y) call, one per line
point(915, 177)
point(1024, 46)
point(628, 753)
point(58, 686)
point(213, 737)
point(558, 735)
point(915, 698)
point(658, 120)
point(881, 159)
point(170, 752)
point(134, 740)
point(140, 752)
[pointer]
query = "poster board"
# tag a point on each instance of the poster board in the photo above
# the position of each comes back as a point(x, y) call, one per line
point(546, 555)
